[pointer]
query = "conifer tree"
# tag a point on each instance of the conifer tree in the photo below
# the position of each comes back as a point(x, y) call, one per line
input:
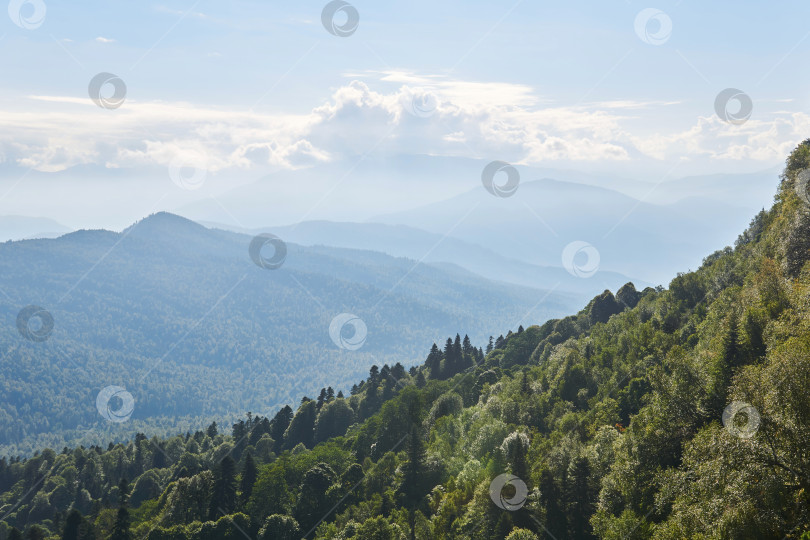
point(412, 481)
point(121, 527)
point(434, 362)
point(447, 370)
point(579, 494)
point(223, 496)
point(550, 500)
point(249, 475)
point(466, 346)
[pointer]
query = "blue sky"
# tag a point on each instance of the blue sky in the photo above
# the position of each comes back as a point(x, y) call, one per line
point(246, 88)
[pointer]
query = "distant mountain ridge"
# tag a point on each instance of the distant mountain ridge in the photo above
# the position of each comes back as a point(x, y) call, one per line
point(25, 227)
point(633, 237)
point(417, 244)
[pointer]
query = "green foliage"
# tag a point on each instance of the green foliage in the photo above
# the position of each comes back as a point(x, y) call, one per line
point(616, 419)
point(280, 527)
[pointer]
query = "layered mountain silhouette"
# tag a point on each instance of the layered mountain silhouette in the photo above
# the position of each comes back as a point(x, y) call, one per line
point(181, 317)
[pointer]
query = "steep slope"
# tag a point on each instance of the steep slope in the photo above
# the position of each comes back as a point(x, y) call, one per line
point(182, 318)
point(677, 413)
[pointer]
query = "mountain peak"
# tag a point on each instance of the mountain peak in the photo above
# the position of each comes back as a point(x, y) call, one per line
point(164, 222)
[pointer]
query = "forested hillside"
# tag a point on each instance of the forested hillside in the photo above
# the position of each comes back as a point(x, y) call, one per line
point(182, 318)
point(663, 413)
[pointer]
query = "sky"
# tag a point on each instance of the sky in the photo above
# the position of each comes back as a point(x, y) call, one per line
point(224, 93)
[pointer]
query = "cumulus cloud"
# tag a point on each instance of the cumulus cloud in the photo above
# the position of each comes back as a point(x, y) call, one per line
point(394, 112)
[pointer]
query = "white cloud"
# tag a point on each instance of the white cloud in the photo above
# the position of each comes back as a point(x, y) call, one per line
point(102, 39)
point(396, 113)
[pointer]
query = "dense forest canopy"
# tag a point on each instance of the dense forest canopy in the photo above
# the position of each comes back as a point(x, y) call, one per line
point(663, 413)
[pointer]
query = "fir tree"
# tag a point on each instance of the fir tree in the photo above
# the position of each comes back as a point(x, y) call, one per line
point(249, 475)
point(121, 527)
point(466, 346)
point(434, 362)
point(579, 494)
point(449, 360)
point(223, 497)
point(412, 481)
point(550, 498)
